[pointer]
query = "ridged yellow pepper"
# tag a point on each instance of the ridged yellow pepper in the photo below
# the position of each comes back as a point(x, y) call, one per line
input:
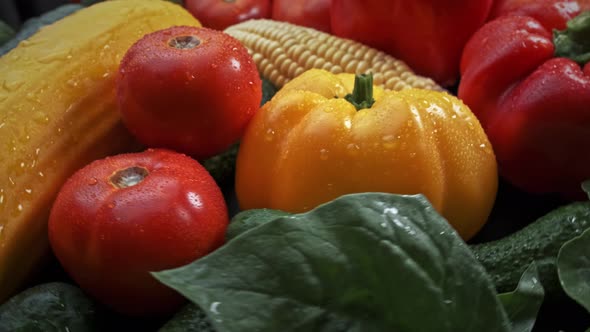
point(311, 144)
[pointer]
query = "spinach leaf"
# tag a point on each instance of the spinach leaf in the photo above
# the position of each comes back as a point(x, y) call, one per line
point(248, 219)
point(363, 262)
point(573, 268)
point(523, 304)
point(49, 307)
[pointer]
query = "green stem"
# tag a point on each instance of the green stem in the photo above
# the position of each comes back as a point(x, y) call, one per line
point(574, 41)
point(362, 94)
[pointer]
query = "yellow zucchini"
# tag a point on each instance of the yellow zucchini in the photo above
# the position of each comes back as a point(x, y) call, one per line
point(58, 112)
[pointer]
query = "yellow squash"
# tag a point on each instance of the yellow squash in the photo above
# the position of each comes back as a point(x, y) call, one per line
point(58, 112)
point(309, 145)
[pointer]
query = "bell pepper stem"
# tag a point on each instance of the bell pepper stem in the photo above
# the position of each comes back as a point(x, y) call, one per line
point(362, 93)
point(574, 41)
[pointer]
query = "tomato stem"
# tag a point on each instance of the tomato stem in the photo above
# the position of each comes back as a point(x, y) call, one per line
point(574, 41)
point(362, 94)
point(128, 177)
point(184, 42)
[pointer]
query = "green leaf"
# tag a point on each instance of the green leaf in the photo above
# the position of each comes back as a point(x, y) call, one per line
point(49, 307)
point(586, 187)
point(573, 268)
point(523, 304)
point(248, 219)
point(363, 262)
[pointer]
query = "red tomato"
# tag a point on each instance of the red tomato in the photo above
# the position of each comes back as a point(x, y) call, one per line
point(121, 217)
point(219, 14)
point(310, 13)
point(189, 89)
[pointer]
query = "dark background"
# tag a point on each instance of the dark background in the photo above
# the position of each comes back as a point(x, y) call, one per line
point(15, 12)
point(513, 210)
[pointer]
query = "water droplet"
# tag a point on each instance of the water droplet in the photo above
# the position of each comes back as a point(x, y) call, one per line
point(270, 133)
point(12, 85)
point(29, 191)
point(214, 308)
point(482, 145)
point(389, 141)
point(324, 154)
point(392, 210)
point(19, 207)
point(353, 149)
point(52, 57)
point(92, 181)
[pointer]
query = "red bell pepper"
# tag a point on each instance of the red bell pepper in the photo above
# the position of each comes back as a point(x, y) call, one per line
point(428, 35)
point(530, 89)
point(553, 14)
point(309, 13)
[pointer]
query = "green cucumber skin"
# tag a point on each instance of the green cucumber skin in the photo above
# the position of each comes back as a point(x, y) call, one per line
point(6, 33)
point(50, 307)
point(190, 318)
point(506, 259)
point(222, 166)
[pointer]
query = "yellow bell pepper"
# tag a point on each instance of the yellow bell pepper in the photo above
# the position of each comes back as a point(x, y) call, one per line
point(311, 144)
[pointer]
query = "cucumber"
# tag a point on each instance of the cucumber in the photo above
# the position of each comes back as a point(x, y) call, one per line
point(190, 318)
point(6, 33)
point(32, 25)
point(49, 307)
point(506, 259)
point(222, 167)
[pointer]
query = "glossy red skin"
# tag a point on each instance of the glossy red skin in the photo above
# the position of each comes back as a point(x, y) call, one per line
point(533, 106)
point(108, 238)
point(219, 14)
point(309, 13)
point(552, 14)
point(428, 35)
point(196, 101)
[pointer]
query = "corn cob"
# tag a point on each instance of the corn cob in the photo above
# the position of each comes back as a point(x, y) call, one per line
point(282, 51)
